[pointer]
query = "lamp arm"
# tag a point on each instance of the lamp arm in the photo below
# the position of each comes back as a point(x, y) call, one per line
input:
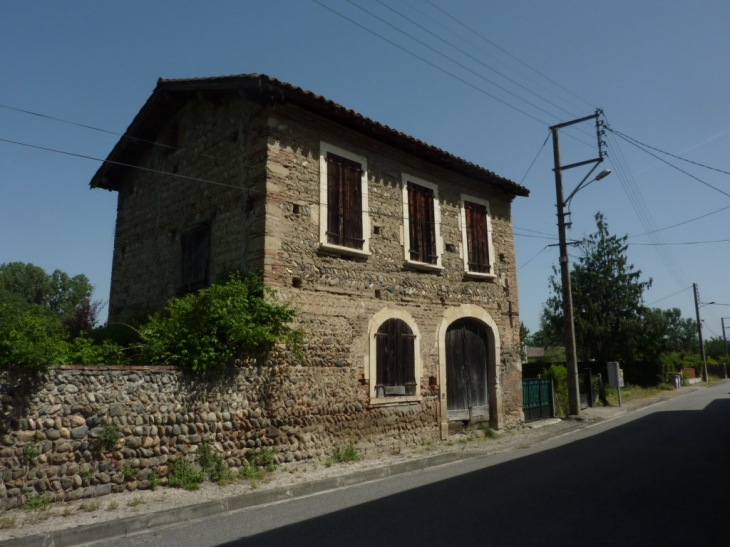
point(580, 184)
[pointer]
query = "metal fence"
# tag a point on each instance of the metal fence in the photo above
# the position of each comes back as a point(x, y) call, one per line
point(537, 398)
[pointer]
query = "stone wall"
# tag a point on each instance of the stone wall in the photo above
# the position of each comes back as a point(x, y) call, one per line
point(164, 413)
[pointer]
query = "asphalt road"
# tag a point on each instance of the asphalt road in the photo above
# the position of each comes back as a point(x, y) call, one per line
point(655, 477)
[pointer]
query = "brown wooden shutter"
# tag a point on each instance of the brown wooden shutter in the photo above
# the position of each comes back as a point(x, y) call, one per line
point(352, 233)
point(477, 240)
point(344, 202)
point(421, 224)
point(395, 363)
point(334, 197)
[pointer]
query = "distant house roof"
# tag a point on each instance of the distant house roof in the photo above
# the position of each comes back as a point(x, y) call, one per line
point(170, 95)
point(534, 353)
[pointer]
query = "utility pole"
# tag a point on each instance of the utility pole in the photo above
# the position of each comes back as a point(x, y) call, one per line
point(724, 338)
point(569, 325)
point(699, 332)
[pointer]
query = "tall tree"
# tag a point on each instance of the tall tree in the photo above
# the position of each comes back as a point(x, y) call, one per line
point(607, 299)
point(681, 332)
point(64, 297)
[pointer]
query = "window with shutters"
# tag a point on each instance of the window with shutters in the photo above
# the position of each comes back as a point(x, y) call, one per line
point(395, 360)
point(477, 237)
point(194, 258)
point(422, 218)
point(344, 224)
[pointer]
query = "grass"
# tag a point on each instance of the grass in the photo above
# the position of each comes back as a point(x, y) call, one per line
point(490, 433)
point(631, 392)
point(90, 506)
point(37, 502)
point(7, 523)
point(345, 454)
point(184, 475)
point(112, 506)
point(69, 512)
point(135, 502)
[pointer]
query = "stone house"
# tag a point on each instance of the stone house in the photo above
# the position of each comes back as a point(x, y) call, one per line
point(398, 255)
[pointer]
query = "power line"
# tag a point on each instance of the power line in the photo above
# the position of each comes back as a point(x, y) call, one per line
point(640, 147)
point(683, 243)
point(508, 53)
point(626, 137)
point(100, 130)
point(457, 63)
point(465, 53)
point(533, 258)
point(534, 160)
point(683, 222)
point(670, 296)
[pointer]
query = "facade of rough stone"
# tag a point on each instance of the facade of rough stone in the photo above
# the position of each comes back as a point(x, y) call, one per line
point(399, 256)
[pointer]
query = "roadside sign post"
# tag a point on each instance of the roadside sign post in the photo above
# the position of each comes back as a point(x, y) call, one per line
point(614, 378)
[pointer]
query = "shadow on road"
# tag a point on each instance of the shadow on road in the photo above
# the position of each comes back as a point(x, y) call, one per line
point(658, 480)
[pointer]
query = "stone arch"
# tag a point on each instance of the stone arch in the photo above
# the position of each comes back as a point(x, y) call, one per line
point(370, 371)
point(471, 311)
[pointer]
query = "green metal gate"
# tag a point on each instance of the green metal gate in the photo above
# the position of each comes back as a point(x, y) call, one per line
point(537, 398)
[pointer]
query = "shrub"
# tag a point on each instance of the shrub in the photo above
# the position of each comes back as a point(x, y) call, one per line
point(347, 454)
point(559, 375)
point(265, 459)
point(184, 475)
point(209, 329)
point(109, 437)
point(30, 337)
point(37, 502)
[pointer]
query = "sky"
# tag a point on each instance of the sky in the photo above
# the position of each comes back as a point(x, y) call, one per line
point(483, 80)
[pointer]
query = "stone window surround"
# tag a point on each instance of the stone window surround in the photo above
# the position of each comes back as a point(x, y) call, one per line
point(405, 179)
point(464, 244)
point(471, 311)
point(324, 148)
point(370, 369)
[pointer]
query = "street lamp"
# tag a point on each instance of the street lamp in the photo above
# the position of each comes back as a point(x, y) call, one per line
point(568, 324)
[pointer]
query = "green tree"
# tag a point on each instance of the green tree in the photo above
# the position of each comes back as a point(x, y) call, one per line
point(715, 348)
point(524, 340)
point(681, 332)
point(66, 298)
point(607, 299)
point(232, 319)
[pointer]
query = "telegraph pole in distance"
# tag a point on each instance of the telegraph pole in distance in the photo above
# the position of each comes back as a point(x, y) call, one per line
point(699, 332)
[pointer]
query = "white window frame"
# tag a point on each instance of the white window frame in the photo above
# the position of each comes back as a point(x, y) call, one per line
point(325, 148)
point(476, 275)
point(371, 362)
point(405, 179)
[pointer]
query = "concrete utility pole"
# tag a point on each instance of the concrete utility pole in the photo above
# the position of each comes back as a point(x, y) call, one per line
point(569, 325)
point(724, 338)
point(699, 332)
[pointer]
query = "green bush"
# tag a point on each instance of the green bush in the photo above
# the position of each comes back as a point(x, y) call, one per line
point(211, 328)
point(183, 475)
point(30, 337)
point(346, 454)
point(559, 376)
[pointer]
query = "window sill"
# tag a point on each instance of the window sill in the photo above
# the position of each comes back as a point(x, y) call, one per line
point(479, 275)
point(384, 401)
point(347, 251)
point(423, 266)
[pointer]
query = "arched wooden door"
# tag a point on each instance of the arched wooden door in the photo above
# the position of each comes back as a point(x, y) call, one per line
point(466, 370)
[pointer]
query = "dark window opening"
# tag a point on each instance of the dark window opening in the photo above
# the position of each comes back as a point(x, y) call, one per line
point(195, 258)
point(421, 224)
point(477, 241)
point(395, 362)
point(296, 282)
point(296, 209)
point(344, 202)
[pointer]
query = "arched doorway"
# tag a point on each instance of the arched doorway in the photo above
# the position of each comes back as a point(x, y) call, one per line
point(467, 365)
